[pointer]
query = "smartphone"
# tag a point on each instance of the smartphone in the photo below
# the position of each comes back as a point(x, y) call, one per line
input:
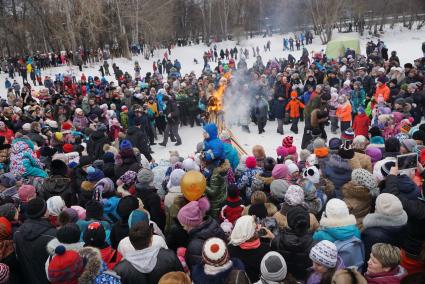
point(407, 161)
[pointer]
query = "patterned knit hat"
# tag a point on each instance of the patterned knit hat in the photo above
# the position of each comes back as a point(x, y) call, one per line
point(128, 178)
point(324, 253)
point(348, 134)
point(214, 252)
point(273, 267)
point(278, 188)
point(4, 273)
point(294, 195)
point(26, 192)
point(364, 178)
point(65, 267)
point(287, 141)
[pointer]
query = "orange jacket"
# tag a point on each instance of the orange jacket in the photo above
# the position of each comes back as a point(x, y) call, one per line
point(343, 112)
point(294, 107)
point(383, 91)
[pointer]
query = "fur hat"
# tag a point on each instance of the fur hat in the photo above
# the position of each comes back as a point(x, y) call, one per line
point(273, 267)
point(324, 253)
point(214, 252)
point(278, 188)
point(337, 214)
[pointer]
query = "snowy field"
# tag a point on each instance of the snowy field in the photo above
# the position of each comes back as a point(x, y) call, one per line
point(406, 43)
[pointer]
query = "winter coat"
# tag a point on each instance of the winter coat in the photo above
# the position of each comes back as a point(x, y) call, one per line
point(361, 161)
point(383, 91)
point(36, 138)
point(407, 187)
point(392, 235)
point(31, 240)
point(118, 232)
point(200, 277)
point(23, 160)
point(95, 270)
point(393, 276)
point(338, 171)
point(343, 112)
point(80, 122)
point(172, 109)
point(8, 135)
point(261, 109)
point(245, 181)
point(95, 144)
point(361, 125)
point(147, 266)
point(295, 249)
point(333, 234)
point(231, 155)
point(357, 98)
point(152, 203)
point(232, 209)
point(217, 189)
point(171, 195)
point(213, 146)
point(294, 106)
point(128, 164)
point(278, 109)
point(282, 221)
point(56, 185)
point(197, 236)
point(358, 200)
point(414, 234)
point(251, 259)
point(139, 139)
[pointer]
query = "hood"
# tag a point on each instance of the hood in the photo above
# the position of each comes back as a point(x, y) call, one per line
point(94, 264)
point(56, 184)
point(352, 190)
point(144, 260)
point(338, 164)
point(295, 243)
point(208, 229)
point(223, 168)
point(34, 228)
point(51, 246)
point(407, 186)
point(212, 130)
point(20, 146)
point(343, 232)
point(175, 189)
point(97, 135)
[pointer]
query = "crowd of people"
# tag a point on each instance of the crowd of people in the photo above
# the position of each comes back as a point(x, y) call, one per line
point(82, 199)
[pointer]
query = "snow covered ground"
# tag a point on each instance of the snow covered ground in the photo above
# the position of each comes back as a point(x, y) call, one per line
point(406, 43)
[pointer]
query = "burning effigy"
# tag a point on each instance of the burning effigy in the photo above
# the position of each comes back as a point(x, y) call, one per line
point(216, 113)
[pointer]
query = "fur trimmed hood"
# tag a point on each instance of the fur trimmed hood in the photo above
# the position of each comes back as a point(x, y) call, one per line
point(340, 222)
point(51, 246)
point(223, 168)
point(351, 190)
point(380, 220)
point(94, 267)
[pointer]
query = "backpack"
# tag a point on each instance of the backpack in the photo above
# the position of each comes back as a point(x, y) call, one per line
point(351, 251)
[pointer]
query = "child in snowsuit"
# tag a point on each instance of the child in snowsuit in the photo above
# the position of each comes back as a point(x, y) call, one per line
point(293, 107)
point(245, 181)
point(343, 112)
point(361, 123)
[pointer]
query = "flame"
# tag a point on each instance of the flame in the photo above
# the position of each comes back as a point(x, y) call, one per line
point(216, 102)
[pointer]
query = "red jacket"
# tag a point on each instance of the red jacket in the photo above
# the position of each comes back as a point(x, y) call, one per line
point(110, 256)
point(361, 124)
point(393, 276)
point(232, 210)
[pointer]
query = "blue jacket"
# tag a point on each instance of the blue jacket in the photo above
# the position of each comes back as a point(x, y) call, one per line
point(7, 84)
point(213, 146)
point(338, 171)
point(336, 233)
point(231, 155)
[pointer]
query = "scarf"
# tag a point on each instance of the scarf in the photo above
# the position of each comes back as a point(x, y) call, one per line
point(250, 245)
point(213, 270)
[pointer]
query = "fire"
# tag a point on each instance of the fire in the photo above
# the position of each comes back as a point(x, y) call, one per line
point(216, 102)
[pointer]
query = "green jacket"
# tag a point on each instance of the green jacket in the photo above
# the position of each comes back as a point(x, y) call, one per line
point(217, 189)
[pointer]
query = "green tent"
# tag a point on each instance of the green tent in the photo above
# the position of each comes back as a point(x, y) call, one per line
point(336, 48)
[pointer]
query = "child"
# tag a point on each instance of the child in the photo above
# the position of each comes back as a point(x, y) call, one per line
point(361, 123)
point(124, 117)
point(234, 205)
point(245, 182)
point(325, 262)
point(333, 105)
point(287, 150)
point(294, 107)
point(343, 112)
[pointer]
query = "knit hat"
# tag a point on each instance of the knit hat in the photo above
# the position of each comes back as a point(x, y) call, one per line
point(233, 191)
point(392, 145)
point(348, 134)
point(194, 212)
point(324, 253)
point(94, 235)
point(81, 212)
point(7, 180)
point(175, 178)
point(389, 205)
point(287, 141)
point(382, 79)
point(137, 216)
point(280, 171)
point(94, 174)
point(214, 252)
point(360, 110)
point(319, 143)
point(108, 157)
point(251, 162)
point(409, 144)
point(346, 153)
point(304, 154)
point(68, 215)
point(94, 210)
point(294, 195)
point(145, 177)
point(360, 142)
point(374, 153)
point(292, 168)
point(65, 266)
point(8, 210)
point(336, 214)
point(126, 144)
point(419, 135)
point(244, 229)
point(36, 208)
point(67, 148)
point(311, 160)
point(273, 267)
point(58, 167)
point(386, 167)
point(55, 204)
point(105, 186)
point(258, 210)
point(68, 234)
point(298, 219)
point(335, 143)
point(269, 164)
point(364, 178)
point(126, 205)
point(128, 178)
point(4, 273)
point(278, 188)
point(312, 174)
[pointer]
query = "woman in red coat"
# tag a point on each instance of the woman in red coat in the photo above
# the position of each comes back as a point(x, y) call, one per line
point(6, 132)
point(361, 123)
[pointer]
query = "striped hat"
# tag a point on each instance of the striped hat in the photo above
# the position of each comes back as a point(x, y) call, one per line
point(215, 252)
point(324, 253)
point(287, 141)
point(4, 273)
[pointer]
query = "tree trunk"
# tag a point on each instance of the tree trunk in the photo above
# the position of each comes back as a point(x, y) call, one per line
point(123, 35)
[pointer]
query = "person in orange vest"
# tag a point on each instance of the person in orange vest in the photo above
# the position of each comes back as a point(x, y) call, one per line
point(382, 89)
point(343, 112)
point(293, 107)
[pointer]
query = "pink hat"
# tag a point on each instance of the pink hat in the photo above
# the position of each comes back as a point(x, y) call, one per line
point(26, 192)
point(193, 213)
point(280, 171)
point(80, 211)
point(251, 162)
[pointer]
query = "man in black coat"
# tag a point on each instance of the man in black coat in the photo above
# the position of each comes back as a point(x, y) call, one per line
point(149, 263)
point(139, 139)
point(96, 142)
point(172, 114)
point(31, 239)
